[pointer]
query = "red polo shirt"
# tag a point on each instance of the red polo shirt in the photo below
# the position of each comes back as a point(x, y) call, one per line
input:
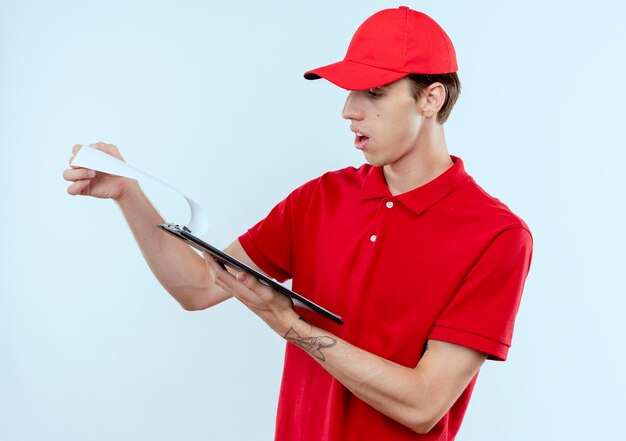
point(445, 261)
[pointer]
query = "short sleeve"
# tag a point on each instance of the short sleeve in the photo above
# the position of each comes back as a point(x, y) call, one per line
point(482, 312)
point(269, 243)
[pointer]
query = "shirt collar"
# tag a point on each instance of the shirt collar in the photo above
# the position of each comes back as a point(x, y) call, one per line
point(420, 198)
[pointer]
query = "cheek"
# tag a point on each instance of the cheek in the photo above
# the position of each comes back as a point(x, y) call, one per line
point(396, 123)
point(402, 130)
point(400, 120)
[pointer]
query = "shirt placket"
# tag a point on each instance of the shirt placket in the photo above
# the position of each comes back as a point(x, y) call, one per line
point(375, 236)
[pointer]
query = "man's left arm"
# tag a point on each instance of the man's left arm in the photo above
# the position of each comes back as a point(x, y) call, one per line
point(415, 397)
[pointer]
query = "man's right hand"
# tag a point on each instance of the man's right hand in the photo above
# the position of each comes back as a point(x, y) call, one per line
point(87, 182)
point(184, 274)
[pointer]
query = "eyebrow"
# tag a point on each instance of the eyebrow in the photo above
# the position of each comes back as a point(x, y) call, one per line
point(383, 87)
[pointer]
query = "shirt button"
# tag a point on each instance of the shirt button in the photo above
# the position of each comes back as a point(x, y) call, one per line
point(389, 204)
point(373, 238)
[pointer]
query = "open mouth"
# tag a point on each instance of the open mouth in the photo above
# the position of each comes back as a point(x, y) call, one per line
point(360, 141)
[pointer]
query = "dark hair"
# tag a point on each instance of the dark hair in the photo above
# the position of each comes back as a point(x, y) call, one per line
point(451, 84)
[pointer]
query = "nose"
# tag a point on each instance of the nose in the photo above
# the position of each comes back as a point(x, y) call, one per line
point(351, 109)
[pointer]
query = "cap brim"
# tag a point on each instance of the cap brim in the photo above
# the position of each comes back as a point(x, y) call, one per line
point(354, 76)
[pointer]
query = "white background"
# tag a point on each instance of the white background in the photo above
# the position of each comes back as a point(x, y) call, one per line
point(200, 93)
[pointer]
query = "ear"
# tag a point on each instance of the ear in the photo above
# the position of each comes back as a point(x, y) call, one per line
point(434, 97)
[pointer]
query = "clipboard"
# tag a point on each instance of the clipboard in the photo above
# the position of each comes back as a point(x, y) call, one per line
point(184, 234)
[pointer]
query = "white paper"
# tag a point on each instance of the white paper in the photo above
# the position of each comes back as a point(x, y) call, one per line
point(94, 159)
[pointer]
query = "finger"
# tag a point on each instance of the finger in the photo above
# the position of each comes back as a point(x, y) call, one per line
point(213, 265)
point(109, 149)
point(77, 174)
point(234, 287)
point(238, 289)
point(252, 283)
point(249, 282)
point(77, 187)
point(222, 285)
point(212, 260)
point(75, 151)
point(222, 274)
point(218, 270)
point(209, 259)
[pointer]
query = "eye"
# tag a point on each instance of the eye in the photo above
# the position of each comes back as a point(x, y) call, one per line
point(374, 93)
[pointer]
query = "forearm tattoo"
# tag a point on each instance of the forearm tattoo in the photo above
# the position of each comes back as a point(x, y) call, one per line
point(312, 345)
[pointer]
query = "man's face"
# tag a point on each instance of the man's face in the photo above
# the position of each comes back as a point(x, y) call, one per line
point(386, 121)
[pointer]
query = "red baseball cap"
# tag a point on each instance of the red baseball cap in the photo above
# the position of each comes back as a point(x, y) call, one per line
point(390, 45)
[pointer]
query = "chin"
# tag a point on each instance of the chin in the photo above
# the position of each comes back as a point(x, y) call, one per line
point(376, 162)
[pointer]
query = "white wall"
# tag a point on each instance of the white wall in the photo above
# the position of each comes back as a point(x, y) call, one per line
point(91, 348)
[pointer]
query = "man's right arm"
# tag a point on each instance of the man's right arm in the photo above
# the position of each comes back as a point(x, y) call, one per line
point(179, 269)
point(182, 272)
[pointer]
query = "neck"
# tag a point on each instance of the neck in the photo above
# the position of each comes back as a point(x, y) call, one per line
point(425, 162)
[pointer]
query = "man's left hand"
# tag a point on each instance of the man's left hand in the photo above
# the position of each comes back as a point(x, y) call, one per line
point(274, 308)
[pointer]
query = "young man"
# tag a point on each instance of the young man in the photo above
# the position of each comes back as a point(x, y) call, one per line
point(426, 269)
